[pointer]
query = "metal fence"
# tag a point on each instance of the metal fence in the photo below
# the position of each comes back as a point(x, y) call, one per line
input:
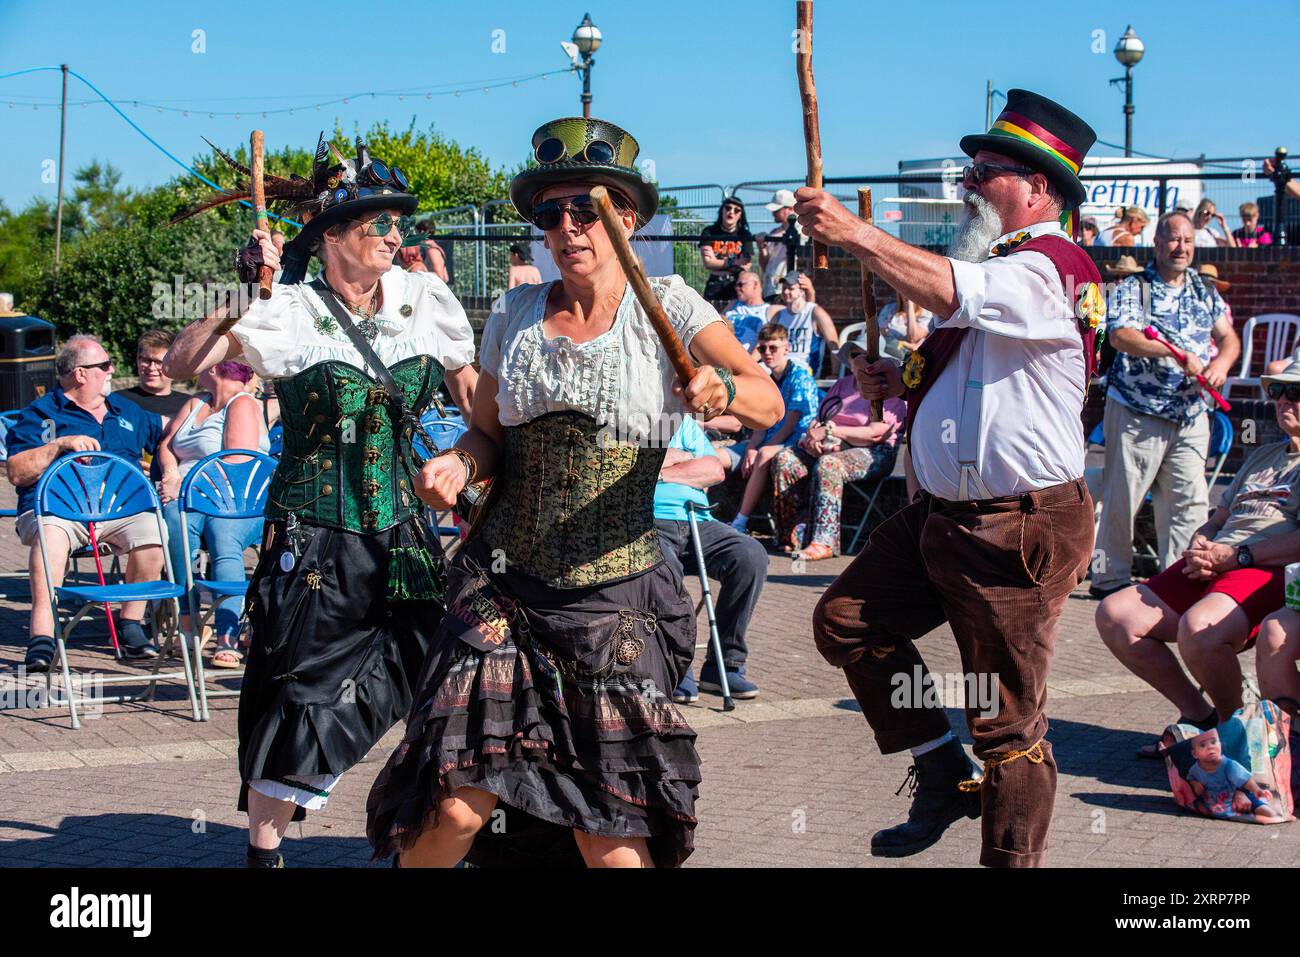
point(921, 205)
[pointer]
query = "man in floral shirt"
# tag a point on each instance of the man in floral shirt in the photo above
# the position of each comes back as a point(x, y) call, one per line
point(1157, 429)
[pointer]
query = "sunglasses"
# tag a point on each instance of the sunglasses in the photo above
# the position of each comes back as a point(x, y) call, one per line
point(769, 346)
point(555, 150)
point(581, 209)
point(101, 366)
point(733, 209)
point(382, 225)
point(979, 172)
point(1289, 389)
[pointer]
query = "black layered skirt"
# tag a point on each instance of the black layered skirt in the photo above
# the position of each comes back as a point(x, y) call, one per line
point(332, 661)
point(558, 702)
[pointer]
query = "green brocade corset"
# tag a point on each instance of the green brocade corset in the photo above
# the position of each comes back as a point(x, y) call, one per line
point(347, 460)
point(570, 506)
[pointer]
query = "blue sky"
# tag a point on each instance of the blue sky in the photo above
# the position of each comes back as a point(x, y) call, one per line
point(708, 89)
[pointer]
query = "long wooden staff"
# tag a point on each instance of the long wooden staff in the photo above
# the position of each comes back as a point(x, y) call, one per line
point(812, 139)
point(869, 304)
point(265, 275)
point(635, 272)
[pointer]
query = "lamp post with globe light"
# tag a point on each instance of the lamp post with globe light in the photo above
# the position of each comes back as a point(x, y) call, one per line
point(1128, 51)
point(586, 41)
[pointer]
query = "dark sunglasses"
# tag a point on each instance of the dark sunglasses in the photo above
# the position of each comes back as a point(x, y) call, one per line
point(1289, 389)
point(734, 209)
point(581, 210)
point(101, 366)
point(554, 150)
point(770, 346)
point(979, 172)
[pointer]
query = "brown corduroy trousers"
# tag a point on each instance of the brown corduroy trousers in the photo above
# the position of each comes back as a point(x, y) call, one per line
point(999, 572)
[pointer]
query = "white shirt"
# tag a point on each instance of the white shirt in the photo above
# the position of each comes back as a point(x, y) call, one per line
point(294, 329)
point(1030, 433)
point(622, 378)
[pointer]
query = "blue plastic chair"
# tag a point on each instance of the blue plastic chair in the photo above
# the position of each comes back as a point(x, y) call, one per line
point(220, 489)
point(275, 435)
point(7, 421)
point(1222, 436)
point(99, 487)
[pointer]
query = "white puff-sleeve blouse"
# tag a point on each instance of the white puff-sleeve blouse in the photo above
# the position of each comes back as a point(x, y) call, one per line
point(294, 329)
point(621, 378)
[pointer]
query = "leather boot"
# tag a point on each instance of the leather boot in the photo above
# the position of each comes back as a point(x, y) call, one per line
point(936, 801)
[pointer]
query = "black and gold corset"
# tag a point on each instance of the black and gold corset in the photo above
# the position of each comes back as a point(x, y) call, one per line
point(347, 460)
point(572, 506)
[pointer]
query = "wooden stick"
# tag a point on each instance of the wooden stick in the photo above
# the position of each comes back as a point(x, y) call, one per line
point(635, 273)
point(812, 139)
point(869, 304)
point(265, 275)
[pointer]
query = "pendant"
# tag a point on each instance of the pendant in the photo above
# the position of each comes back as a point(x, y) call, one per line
point(368, 328)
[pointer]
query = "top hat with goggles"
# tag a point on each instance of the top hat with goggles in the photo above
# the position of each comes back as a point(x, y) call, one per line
point(338, 191)
point(584, 151)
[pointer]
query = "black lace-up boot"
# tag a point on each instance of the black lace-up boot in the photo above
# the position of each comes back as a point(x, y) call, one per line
point(936, 801)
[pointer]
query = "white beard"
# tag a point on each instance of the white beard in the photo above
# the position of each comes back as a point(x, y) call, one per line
point(977, 232)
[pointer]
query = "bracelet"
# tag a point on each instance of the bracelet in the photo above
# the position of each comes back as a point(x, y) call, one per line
point(467, 460)
point(729, 381)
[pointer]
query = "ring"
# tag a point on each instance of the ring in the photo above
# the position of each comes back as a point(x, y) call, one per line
point(706, 410)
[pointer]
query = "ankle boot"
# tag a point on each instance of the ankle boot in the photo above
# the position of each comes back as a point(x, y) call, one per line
point(936, 801)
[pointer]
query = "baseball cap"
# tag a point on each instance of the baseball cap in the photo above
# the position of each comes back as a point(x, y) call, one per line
point(792, 278)
point(782, 197)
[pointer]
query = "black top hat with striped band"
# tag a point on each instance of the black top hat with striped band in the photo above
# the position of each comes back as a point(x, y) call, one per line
point(1041, 134)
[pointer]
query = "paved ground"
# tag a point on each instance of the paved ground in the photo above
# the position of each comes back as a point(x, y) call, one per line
point(791, 779)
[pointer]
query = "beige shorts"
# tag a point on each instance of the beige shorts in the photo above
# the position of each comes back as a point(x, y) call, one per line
point(122, 534)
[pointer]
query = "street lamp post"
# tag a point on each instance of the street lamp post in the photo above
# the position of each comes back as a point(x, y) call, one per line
point(1128, 52)
point(586, 41)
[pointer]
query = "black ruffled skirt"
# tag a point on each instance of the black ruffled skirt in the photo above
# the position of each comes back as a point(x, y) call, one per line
point(332, 661)
point(566, 716)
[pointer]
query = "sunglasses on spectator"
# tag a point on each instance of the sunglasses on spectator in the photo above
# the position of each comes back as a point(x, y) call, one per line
point(979, 172)
point(733, 209)
point(102, 366)
point(769, 346)
point(1289, 389)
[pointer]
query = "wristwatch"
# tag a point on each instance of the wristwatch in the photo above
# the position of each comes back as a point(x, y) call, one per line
point(1244, 557)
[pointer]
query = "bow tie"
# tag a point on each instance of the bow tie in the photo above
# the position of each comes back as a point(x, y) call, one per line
point(1006, 248)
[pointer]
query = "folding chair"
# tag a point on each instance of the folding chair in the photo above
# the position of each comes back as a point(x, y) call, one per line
point(728, 704)
point(869, 491)
point(98, 487)
point(1281, 335)
point(443, 433)
point(220, 490)
point(1221, 439)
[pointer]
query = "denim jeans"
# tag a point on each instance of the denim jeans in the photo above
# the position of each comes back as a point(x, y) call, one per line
point(225, 539)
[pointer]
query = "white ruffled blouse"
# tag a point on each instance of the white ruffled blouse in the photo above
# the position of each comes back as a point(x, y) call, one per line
point(622, 378)
point(294, 329)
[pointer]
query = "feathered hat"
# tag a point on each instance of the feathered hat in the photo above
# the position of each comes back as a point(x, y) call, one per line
point(336, 192)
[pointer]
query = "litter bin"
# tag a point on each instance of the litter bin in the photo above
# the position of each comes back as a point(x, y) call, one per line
point(26, 359)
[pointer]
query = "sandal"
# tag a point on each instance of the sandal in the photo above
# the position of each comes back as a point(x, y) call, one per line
point(227, 655)
point(816, 552)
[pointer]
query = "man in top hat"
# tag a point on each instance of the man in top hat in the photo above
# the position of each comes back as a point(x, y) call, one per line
point(1001, 528)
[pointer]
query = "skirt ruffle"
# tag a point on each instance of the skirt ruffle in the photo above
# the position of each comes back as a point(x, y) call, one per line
point(606, 753)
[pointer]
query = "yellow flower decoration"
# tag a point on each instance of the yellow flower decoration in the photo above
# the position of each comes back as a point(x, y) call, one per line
point(1002, 249)
point(1091, 305)
point(913, 370)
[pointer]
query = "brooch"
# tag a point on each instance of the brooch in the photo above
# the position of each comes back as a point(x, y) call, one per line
point(913, 370)
point(326, 325)
point(1091, 305)
point(1019, 239)
point(368, 328)
point(405, 310)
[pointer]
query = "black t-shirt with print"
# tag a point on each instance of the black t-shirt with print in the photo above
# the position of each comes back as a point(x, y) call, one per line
point(726, 244)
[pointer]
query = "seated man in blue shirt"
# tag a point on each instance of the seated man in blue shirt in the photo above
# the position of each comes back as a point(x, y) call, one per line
point(738, 562)
point(80, 416)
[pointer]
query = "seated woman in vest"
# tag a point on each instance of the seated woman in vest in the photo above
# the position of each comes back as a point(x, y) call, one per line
point(223, 416)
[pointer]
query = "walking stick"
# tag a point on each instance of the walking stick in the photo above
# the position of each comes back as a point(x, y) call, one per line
point(635, 272)
point(728, 703)
point(869, 304)
point(812, 140)
point(265, 274)
point(108, 607)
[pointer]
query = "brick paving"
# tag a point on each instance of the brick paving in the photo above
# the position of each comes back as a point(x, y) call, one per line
point(790, 779)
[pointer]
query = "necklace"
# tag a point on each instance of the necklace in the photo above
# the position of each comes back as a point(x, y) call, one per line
point(368, 327)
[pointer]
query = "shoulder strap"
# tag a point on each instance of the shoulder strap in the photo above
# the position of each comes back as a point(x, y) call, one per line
point(372, 360)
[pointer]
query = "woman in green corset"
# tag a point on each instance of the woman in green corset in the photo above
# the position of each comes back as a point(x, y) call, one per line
point(340, 604)
point(545, 705)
